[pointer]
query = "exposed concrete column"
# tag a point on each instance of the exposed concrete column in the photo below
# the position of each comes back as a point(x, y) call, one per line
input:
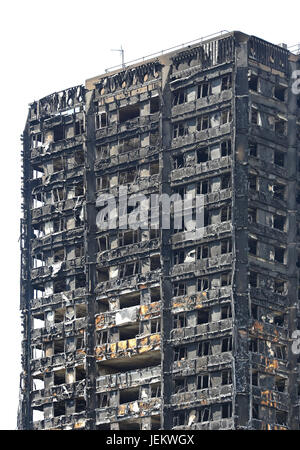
point(240, 294)
point(165, 282)
point(90, 244)
point(292, 164)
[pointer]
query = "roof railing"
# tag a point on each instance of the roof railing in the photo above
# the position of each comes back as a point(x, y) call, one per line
point(295, 49)
point(162, 52)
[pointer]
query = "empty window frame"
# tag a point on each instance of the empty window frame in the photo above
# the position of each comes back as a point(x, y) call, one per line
point(203, 122)
point(59, 255)
point(204, 349)
point(253, 182)
point(226, 410)
point(226, 344)
point(180, 385)
point(280, 92)
point(58, 195)
point(203, 90)
point(129, 269)
point(203, 284)
point(179, 320)
point(203, 381)
point(252, 246)
point(226, 116)
point(280, 126)
point(129, 237)
point(226, 181)
point(128, 144)
point(154, 104)
point(226, 246)
point(101, 120)
point(178, 257)
point(203, 316)
point(102, 182)
point(226, 377)
point(128, 176)
point(102, 151)
point(225, 213)
point(204, 414)
point(203, 187)
point(226, 82)
point(226, 148)
point(255, 117)
point(180, 129)
point(226, 279)
point(279, 158)
point(179, 288)
point(179, 97)
point(203, 155)
point(226, 312)
point(203, 251)
point(178, 161)
point(253, 82)
point(180, 353)
point(129, 112)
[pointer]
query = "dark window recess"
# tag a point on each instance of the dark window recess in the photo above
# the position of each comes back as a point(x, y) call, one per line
point(279, 93)
point(280, 384)
point(203, 123)
point(226, 82)
point(279, 254)
point(255, 411)
point(203, 90)
point(253, 82)
point(154, 105)
point(180, 129)
point(226, 279)
point(179, 97)
point(226, 148)
point(178, 161)
point(180, 353)
point(226, 181)
point(203, 316)
point(204, 348)
point(203, 382)
point(280, 287)
point(252, 244)
point(281, 417)
point(225, 213)
point(254, 312)
point(204, 414)
point(203, 284)
point(80, 281)
point(226, 410)
point(179, 320)
point(252, 182)
point(58, 133)
point(180, 385)
point(280, 127)
point(226, 377)
point(202, 155)
point(179, 419)
point(101, 120)
point(80, 405)
point(179, 257)
point(226, 312)
point(279, 158)
point(278, 191)
point(253, 149)
point(226, 344)
point(253, 279)
point(253, 346)
point(254, 378)
point(59, 409)
point(279, 222)
point(129, 112)
point(179, 289)
point(254, 116)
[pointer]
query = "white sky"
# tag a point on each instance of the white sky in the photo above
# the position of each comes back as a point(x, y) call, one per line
point(49, 46)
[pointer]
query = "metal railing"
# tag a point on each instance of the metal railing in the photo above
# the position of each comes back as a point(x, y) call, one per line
point(295, 49)
point(162, 52)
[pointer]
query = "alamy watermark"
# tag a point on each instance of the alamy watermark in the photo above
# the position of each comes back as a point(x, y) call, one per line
point(154, 211)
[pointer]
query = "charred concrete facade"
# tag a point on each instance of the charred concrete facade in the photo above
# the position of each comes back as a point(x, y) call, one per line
point(147, 329)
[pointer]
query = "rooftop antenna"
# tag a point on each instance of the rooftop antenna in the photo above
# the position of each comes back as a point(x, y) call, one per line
point(121, 51)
